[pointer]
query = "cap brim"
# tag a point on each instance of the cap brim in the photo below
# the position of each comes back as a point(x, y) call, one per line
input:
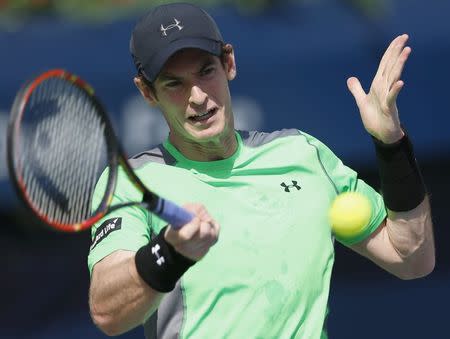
point(154, 67)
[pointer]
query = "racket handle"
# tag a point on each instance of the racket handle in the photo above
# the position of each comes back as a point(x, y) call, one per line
point(175, 215)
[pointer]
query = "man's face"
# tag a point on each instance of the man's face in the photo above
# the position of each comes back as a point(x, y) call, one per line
point(192, 92)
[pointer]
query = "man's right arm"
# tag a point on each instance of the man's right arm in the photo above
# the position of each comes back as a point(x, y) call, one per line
point(120, 295)
point(119, 299)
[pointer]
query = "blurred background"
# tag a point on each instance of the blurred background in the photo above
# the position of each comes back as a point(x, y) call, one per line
point(293, 60)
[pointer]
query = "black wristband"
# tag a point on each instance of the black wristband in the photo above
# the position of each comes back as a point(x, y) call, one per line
point(159, 265)
point(402, 185)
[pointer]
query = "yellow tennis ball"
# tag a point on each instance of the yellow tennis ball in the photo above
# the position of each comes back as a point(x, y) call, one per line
point(349, 214)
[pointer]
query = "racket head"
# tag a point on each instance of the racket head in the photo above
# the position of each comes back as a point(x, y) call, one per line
point(56, 123)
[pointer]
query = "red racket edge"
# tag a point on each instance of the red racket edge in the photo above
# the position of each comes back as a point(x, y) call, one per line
point(16, 115)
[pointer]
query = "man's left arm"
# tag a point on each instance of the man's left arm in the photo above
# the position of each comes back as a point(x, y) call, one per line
point(403, 244)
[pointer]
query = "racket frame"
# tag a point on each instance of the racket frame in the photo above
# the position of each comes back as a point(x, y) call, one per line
point(115, 154)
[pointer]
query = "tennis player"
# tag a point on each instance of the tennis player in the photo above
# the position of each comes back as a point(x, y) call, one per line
point(268, 273)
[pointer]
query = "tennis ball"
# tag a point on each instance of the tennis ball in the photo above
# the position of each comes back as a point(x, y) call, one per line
point(349, 214)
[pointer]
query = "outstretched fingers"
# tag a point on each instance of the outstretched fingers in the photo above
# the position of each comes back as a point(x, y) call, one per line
point(397, 69)
point(390, 55)
point(393, 93)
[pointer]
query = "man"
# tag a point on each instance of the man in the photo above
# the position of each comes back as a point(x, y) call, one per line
point(268, 274)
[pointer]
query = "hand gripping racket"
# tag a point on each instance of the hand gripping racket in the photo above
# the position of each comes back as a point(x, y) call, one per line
point(59, 140)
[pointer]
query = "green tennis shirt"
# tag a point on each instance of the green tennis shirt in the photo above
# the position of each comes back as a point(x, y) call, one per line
point(268, 276)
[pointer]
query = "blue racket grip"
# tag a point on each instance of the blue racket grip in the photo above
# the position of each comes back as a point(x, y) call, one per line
point(175, 215)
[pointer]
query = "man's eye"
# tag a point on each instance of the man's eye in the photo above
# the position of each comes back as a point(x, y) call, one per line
point(172, 84)
point(207, 70)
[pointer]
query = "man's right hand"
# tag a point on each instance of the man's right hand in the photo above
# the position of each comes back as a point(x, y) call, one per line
point(194, 239)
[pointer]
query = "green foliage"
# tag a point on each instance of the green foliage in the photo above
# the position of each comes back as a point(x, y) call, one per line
point(108, 10)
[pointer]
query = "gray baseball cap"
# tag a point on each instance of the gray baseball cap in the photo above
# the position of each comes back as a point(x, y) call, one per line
point(169, 28)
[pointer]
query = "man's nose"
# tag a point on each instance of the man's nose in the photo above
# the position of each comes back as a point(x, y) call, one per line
point(197, 97)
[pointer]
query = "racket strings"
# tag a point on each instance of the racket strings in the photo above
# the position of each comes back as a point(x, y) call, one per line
point(61, 151)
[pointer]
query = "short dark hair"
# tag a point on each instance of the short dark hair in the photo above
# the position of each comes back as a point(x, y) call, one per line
point(226, 50)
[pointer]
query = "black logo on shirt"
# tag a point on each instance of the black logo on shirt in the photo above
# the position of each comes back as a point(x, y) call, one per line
point(287, 188)
point(105, 229)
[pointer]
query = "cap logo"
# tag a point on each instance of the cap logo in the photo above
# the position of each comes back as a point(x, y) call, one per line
point(176, 24)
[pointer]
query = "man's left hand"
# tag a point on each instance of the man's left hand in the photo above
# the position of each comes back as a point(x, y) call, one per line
point(378, 108)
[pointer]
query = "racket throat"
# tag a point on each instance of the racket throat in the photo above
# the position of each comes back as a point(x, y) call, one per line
point(152, 202)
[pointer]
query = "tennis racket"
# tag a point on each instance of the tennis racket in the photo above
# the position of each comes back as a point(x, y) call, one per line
point(60, 139)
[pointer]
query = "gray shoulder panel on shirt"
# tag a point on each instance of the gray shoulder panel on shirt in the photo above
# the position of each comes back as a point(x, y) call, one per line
point(158, 154)
point(167, 321)
point(255, 138)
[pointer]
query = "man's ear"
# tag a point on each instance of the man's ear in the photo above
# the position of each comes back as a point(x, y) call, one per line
point(229, 62)
point(145, 90)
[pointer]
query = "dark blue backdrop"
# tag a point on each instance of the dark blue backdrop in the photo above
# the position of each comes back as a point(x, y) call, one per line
point(293, 63)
